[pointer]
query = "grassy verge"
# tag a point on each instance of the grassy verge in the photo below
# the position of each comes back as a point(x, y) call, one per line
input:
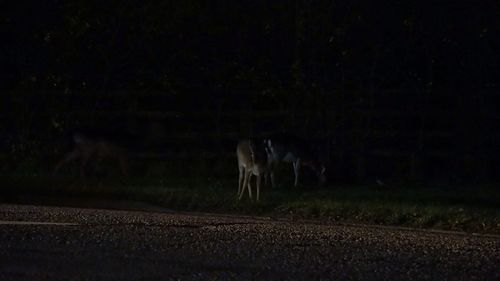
point(462, 208)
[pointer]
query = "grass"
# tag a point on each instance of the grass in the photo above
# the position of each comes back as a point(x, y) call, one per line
point(461, 208)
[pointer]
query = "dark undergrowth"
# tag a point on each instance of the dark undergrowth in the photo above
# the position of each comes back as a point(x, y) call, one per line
point(472, 208)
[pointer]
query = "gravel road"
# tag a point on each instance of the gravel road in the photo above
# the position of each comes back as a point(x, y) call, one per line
point(90, 244)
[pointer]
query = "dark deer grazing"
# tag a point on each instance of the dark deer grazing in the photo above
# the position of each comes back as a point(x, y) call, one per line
point(90, 149)
point(287, 148)
point(252, 160)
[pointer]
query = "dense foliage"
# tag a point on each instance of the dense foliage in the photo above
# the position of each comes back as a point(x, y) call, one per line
point(404, 78)
point(179, 45)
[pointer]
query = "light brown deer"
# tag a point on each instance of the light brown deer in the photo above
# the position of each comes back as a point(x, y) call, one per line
point(252, 160)
point(87, 148)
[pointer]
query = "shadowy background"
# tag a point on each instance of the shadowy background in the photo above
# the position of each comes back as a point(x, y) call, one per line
point(395, 91)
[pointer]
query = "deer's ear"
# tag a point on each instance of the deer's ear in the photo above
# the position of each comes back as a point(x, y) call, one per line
point(323, 170)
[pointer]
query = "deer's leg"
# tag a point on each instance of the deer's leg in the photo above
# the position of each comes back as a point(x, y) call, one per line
point(296, 170)
point(250, 185)
point(259, 180)
point(241, 179)
point(245, 181)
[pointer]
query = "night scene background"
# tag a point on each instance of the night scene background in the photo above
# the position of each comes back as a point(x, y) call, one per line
point(388, 93)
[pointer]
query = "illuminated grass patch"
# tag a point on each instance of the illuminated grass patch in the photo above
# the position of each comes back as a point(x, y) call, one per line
point(464, 208)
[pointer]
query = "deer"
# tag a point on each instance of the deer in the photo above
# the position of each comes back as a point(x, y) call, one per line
point(93, 148)
point(252, 161)
point(291, 149)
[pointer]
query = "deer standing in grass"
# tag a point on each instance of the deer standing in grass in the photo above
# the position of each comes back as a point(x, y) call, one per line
point(291, 149)
point(89, 148)
point(252, 160)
